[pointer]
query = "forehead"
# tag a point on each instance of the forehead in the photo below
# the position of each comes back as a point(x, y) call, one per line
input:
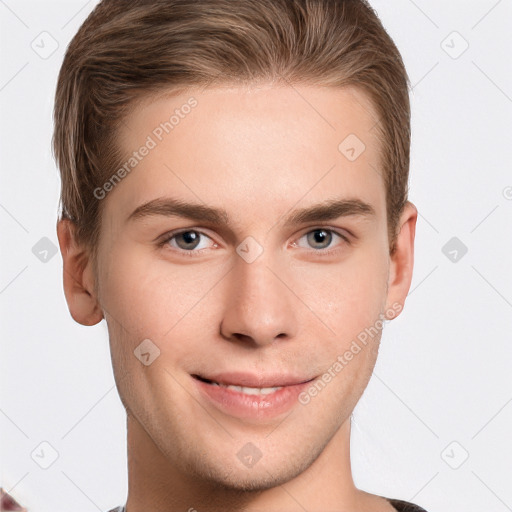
point(277, 145)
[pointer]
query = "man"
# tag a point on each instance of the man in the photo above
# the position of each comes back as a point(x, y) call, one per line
point(234, 205)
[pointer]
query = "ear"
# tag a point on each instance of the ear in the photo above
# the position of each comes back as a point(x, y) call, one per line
point(78, 277)
point(402, 261)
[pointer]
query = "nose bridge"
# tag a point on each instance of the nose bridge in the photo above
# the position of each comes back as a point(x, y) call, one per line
point(258, 306)
point(255, 281)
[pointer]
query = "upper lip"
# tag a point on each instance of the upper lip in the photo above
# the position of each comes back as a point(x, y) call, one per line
point(254, 380)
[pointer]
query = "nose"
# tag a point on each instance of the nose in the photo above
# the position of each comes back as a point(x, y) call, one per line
point(259, 307)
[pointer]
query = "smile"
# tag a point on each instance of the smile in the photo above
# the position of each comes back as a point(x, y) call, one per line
point(244, 389)
point(231, 394)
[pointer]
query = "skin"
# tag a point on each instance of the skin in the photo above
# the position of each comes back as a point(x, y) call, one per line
point(259, 152)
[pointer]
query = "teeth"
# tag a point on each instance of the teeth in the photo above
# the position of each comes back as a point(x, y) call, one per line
point(249, 391)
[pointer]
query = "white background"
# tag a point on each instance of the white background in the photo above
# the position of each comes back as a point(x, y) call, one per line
point(444, 374)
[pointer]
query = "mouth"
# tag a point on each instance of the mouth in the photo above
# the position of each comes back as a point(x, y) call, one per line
point(250, 396)
point(248, 390)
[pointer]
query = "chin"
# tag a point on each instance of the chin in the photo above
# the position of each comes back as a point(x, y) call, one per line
point(267, 473)
point(248, 481)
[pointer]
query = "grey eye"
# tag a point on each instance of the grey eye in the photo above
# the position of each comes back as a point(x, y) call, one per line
point(319, 238)
point(187, 240)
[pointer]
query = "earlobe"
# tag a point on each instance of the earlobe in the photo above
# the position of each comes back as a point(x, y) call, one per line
point(78, 278)
point(402, 260)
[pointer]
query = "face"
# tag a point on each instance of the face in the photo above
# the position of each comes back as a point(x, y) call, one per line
point(246, 246)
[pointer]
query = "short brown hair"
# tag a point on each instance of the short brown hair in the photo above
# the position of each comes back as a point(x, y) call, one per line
point(127, 50)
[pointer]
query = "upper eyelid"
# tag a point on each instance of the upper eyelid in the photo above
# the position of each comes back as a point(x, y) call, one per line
point(339, 232)
point(170, 235)
point(345, 238)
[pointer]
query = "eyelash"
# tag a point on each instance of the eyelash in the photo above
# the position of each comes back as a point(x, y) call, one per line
point(193, 253)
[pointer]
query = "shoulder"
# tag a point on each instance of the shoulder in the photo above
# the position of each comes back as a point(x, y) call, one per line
point(399, 505)
point(378, 503)
point(405, 506)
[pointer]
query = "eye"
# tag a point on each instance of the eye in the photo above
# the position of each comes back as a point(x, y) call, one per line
point(189, 240)
point(321, 239)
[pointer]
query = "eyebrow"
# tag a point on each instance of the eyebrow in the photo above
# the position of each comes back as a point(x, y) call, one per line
point(325, 211)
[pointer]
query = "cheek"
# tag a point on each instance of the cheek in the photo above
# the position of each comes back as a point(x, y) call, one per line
point(347, 297)
point(149, 295)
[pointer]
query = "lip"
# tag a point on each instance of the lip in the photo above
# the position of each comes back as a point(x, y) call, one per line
point(241, 405)
point(252, 380)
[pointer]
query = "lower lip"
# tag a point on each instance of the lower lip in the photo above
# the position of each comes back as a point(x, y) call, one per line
point(236, 403)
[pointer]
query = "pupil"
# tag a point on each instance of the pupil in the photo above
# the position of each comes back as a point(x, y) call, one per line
point(189, 236)
point(321, 237)
point(190, 239)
